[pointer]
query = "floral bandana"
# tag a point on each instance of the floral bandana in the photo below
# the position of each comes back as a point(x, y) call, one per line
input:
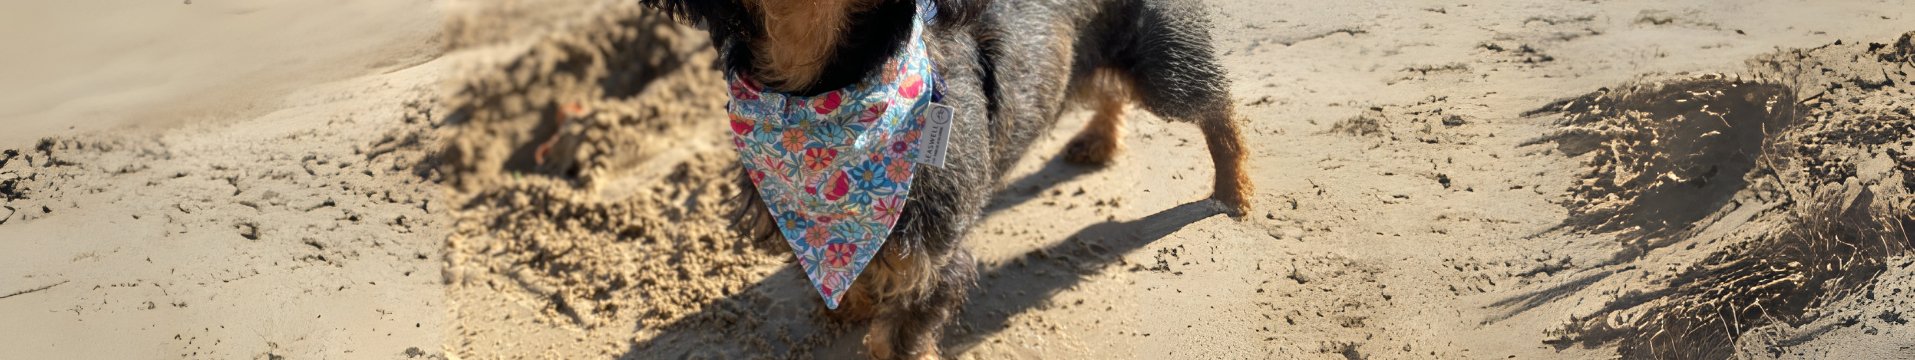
point(834, 169)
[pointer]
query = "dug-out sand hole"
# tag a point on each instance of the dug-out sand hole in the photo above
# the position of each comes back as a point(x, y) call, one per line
point(592, 189)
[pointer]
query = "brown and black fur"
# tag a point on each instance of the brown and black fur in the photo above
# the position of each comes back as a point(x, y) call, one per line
point(1011, 68)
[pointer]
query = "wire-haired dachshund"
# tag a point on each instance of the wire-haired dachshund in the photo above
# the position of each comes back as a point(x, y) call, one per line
point(1009, 69)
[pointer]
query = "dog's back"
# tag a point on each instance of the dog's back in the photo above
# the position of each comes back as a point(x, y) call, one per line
point(1033, 60)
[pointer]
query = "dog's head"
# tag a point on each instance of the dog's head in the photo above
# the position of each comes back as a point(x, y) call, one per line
point(810, 46)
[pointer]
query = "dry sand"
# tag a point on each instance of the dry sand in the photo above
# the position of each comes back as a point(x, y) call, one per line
point(92, 65)
point(219, 180)
point(1464, 180)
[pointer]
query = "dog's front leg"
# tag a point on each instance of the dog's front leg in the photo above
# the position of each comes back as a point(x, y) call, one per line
point(910, 326)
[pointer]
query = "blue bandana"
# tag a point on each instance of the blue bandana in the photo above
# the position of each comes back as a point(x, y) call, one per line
point(835, 169)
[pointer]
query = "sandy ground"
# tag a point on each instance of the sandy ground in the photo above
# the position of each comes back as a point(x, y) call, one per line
point(100, 64)
point(1462, 180)
point(220, 180)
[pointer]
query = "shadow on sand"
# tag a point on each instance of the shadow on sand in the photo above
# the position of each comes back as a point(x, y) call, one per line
point(779, 316)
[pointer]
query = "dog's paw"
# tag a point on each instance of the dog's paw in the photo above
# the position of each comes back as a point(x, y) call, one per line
point(1234, 205)
point(1233, 190)
point(1091, 148)
point(878, 344)
point(880, 341)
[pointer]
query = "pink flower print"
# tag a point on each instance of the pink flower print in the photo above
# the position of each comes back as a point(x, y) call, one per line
point(888, 208)
point(912, 87)
point(833, 282)
point(903, 143)
point(828, 103)
point(771, 164)
point(819, 158)
point(743, 89)
point(875, 112)
point(793, 140)
point(839, 255)
point(901, 146)
point(740, 125)
point(835, 188)
point(897, 171)
point(818, 233)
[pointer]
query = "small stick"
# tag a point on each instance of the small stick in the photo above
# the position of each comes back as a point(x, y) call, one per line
point(23, 292)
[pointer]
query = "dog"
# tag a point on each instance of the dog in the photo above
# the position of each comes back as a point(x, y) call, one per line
point(1009, 70)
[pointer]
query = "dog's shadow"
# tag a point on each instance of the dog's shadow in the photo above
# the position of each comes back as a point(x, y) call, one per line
point(1024, 189)
point(1037, 276)
point(779, 316)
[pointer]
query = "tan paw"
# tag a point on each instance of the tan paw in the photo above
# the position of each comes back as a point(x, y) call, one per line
point(879, 342)
point(1233, 193)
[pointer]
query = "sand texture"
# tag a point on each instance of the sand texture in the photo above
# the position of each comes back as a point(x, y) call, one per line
point(487, 179)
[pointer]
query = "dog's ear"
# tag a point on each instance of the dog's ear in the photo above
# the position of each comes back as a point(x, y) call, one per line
point(718, 16)
point(960, 12)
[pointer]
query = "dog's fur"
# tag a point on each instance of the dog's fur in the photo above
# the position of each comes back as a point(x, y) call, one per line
point(1011, 68)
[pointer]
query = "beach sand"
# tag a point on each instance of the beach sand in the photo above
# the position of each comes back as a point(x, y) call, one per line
point(1476, 179)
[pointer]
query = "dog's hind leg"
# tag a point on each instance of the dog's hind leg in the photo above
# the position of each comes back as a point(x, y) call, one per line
point(1227, 154)
point(1097, 144)
point(1168, 56)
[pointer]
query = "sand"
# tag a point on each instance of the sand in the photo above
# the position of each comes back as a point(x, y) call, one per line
point(1465, 180)
point(95, 65)
point(219, 180)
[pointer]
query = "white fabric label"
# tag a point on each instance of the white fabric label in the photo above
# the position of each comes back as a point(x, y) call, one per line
point(936, 137)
